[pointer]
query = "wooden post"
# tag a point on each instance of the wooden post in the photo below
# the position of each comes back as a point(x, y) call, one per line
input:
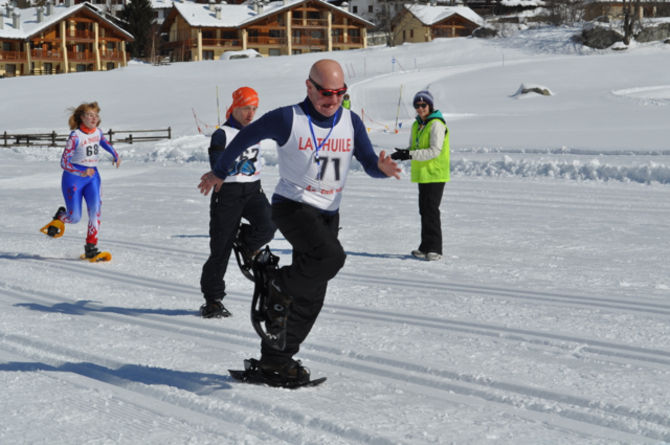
point(53, 138)
point(169, 132)
point(110, 135)
point(4, 136)
point(130, 138)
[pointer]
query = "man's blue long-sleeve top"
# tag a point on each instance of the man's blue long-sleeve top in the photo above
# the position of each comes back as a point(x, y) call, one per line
point(277, 124)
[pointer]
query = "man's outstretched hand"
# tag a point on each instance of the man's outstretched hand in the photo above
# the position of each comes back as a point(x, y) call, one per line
point(388, 165)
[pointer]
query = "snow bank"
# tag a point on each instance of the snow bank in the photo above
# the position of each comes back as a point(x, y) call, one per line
point(567, 164)
point(593, 169)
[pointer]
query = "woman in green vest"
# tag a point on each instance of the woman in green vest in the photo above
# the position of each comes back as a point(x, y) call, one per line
point(346, 102)
point(429, 153)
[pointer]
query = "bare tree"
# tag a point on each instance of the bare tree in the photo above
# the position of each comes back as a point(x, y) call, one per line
point(564, 11)
point(631, 13)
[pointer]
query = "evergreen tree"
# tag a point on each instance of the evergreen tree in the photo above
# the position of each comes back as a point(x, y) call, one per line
point(139, 17)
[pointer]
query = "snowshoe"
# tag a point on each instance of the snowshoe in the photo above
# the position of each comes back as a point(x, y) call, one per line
point(56, 228)
point(276, 315)
point(214, 309)
point(269, 304)
point(92, 254)
point(243, 256)
point(290, 375)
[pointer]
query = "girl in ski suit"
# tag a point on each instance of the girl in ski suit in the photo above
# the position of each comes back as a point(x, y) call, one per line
point(80, 173)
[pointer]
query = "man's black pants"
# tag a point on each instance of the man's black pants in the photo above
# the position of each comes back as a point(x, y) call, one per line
point(234, 201)
point(317, 257)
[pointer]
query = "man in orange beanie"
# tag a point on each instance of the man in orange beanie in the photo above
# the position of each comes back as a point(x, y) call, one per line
point(241, 196)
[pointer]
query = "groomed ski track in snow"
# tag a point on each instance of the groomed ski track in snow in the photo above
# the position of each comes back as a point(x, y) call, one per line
point(164, 401)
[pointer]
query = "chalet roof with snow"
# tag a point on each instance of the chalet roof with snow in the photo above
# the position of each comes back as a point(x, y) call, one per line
point(430, 15)
point(522, 3)
point(203, 15)
point(28, 24)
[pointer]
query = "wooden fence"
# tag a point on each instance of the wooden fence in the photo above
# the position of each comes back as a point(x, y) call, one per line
point(53, 139)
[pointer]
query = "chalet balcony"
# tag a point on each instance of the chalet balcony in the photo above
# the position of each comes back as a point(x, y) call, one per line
point(266, 40)
point(46, 54)
point(82, 35)
point(12, 55)
point(109, 55)
point(309, 23)
point(353, 40)
point(309, 42)
point(221, 42)
point(81, 56)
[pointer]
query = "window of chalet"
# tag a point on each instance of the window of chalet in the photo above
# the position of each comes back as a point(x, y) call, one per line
point(314, 15)
point(274, 52)
point(110, 66)
point(81, 68)
point(297, 14)
point(208, 55)
point(370, 8)
point(6, 46)
point(209, 34)
point(48, 68)
point(84, 28)
point(276, 33)
point(354, 9)
point(231, 35)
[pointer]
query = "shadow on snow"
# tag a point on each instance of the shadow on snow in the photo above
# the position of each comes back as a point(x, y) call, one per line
point(195, 382)
point(82, 307)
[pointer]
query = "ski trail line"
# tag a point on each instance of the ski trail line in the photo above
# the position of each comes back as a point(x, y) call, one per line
point(446, 382)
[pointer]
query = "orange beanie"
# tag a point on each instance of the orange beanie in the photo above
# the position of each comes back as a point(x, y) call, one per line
point(243, 97)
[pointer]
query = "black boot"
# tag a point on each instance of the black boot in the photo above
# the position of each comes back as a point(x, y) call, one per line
point(214, 309)
point(60, 212)
point(284, 373)
point(91, 250)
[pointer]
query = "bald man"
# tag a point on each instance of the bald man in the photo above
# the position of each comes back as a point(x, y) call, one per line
point(316, 140)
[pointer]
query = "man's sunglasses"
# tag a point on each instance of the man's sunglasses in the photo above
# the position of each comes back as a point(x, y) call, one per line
point(327, 92)
point(421, 105)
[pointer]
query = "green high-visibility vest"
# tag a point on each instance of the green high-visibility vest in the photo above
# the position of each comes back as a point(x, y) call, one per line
point(432, 170)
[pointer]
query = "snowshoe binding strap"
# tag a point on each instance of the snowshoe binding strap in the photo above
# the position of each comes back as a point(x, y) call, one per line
point(54, 229)
point(244, 260)
point(264, 269)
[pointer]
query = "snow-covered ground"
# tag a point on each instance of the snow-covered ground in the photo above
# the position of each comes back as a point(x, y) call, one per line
point(547, 321)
